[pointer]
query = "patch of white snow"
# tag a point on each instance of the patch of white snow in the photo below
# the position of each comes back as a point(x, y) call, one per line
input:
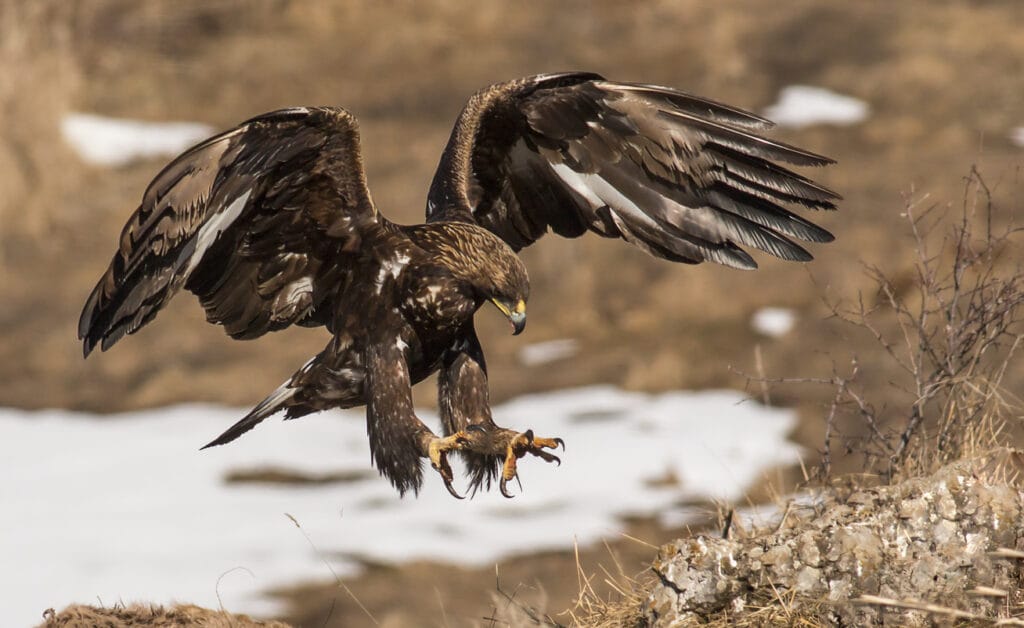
point(801, 105)
point(115, 142)
point(773, 321)
point(547, 351)
point(126, 508)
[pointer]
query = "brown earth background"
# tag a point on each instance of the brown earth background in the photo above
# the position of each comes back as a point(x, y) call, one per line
point(944, 80)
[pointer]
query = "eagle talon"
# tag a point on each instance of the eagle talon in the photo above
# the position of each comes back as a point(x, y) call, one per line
point(445, 471)
point(519, 446)
point(438, 454)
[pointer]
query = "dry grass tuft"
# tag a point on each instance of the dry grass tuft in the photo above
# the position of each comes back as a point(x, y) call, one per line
point(776, 609)
point(152, 616)
point(621, 606)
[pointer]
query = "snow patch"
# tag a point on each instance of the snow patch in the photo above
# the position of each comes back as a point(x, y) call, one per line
point(773, 321)
point(115, 142)
point(801, 105)
point(126, 508)
point(547, 351)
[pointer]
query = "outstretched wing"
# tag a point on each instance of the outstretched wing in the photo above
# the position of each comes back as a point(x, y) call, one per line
point(254, 221)
point(684, 178)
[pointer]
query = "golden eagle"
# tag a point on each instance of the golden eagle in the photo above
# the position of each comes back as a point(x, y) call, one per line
point(271, 224)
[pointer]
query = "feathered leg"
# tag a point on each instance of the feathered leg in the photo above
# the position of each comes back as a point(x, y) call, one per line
point(398, 439)
point(488, 450)
point(464, 406)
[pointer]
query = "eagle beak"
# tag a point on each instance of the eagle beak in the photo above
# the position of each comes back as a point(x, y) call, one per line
point(516, 314)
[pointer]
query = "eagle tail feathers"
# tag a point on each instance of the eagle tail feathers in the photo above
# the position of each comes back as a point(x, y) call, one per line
point(274, 403)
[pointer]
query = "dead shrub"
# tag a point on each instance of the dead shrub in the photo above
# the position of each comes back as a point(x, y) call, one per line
point(952, 332)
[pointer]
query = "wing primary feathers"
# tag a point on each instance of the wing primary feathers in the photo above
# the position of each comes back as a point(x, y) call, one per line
point(745, 142)
point(656, 209)
point(766, 213)
point(694, 105)
point(769, 190)
point(764, 173)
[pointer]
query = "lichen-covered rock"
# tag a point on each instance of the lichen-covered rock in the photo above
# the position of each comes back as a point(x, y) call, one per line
point(928, 539)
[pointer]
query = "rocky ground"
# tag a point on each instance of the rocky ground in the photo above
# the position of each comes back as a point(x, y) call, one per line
point(945, 546)
point(942, 79)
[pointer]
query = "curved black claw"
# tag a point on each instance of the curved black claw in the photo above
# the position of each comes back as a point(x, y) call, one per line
point(504, 491)
point(445, 471)
point(438, 454)
point(451, 489)
point(546, 457)
point(561, 443)
point(504, 483)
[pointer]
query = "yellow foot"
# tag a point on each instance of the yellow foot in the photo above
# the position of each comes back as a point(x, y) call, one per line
point(519, 446)
point(438, 450)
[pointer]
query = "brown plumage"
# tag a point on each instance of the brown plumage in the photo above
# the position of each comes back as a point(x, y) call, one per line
point(271, 224)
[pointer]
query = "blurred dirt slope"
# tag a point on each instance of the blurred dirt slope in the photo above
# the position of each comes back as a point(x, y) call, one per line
point(943, 80)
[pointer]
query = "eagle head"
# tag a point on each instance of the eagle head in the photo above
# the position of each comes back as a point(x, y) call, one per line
point(492, 269)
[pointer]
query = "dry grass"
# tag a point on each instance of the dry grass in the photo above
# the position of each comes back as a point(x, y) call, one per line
point(620, 605)
point(150, 616)
point(606, 598)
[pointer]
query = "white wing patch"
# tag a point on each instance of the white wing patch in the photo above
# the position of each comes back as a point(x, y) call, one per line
point(576, 181)
point(209, 232)
point(284, 392)
point(599, 193)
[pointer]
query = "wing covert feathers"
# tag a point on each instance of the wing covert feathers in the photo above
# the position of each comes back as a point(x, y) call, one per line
point(682, 177)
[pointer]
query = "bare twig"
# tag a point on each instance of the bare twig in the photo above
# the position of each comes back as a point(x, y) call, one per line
point(337, 578)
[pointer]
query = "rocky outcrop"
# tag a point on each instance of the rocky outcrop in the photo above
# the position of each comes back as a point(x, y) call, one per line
point(949, 544)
